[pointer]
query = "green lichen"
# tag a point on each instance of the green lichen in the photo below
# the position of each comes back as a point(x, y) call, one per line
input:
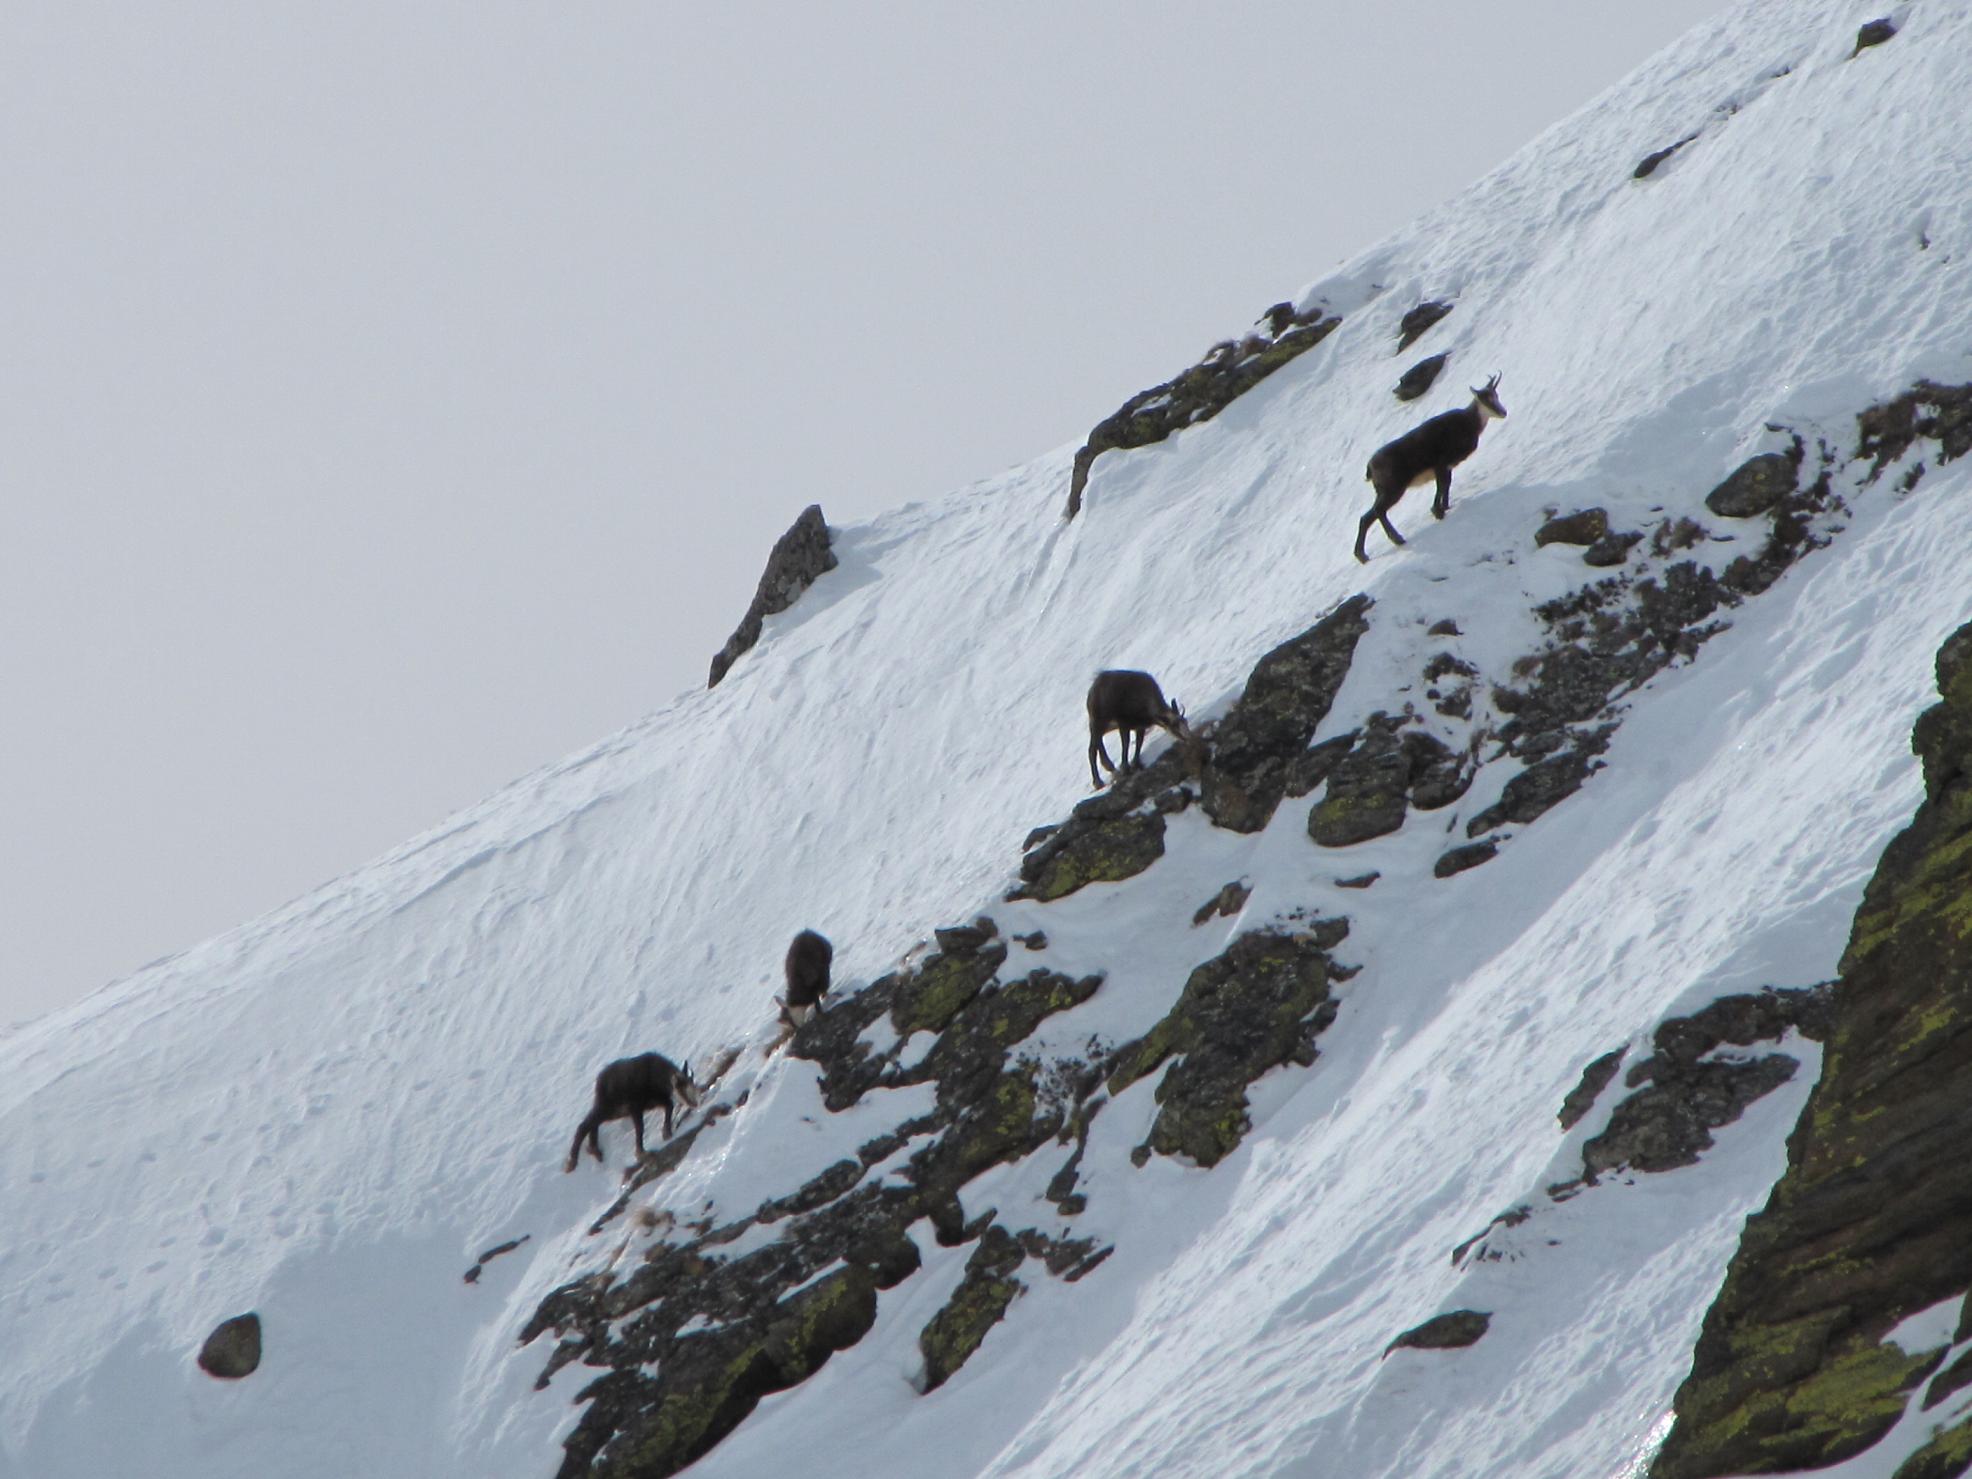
point(928, 1000)
point(1108, 853)
point(1946, 1456)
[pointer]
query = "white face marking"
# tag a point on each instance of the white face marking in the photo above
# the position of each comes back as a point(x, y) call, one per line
point(1490, 408)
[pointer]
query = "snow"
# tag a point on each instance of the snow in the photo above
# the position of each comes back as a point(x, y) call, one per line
point(326, 1114)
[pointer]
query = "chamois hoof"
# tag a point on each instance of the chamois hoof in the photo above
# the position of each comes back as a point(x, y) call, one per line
point(1438, 513)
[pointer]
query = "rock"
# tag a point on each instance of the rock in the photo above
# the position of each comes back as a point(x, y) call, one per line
point(1445, 628)
point(1369, 791)
point(1755, 486)
point(1873, 33)
point(1101, 851)
point(1227, 902)
point(1871, 1221)
point(1595, 1078)
point(233, 1349)
point(976, 1306)
point(1419, 377)
point(1446, 1332)
point(1541, 785)
point(798, 558)
point(1418, 320)
point(1257, 1006)
point(1941, 413)
point(1611, 549)
point(1034, 940)
point(1650, 161)
point(1226, 372)
point(1585, 527)
point(1255, 748)
point(1361, 880)
point(1470, 855)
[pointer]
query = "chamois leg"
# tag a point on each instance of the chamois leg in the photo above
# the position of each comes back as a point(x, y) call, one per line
point(1443, 502)
point(1095, 749)
point(1390, 528)
point(637, 1119)
point(587, 1130)
point(1379, 513)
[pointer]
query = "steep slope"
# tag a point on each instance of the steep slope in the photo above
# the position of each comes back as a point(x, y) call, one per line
point(326, 1116)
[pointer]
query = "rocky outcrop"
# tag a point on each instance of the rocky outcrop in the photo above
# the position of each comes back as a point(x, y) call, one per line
point(1259, 1005)
point(1260, 751)
point(1648, 166)
point(1413, 324)
point(1227, 371)
point(1420, 377)
point(1872, 1220)
point(1595, 1078)
point(1584, 527)
point(1927, 411)
point(1388, 769)
point(233, 1349)
point(1448, 1332)
point(1873, 33)
point(797, 559)
point(1756, 485)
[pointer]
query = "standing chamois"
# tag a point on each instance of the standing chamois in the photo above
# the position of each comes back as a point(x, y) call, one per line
point(629, 1088)
point(1423, 453)
point(1132, 702)
point(808, 960)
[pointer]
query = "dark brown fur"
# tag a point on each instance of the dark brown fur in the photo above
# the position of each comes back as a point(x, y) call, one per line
point(808, 961)
point(1426, 453)
point(630, 1088)
point(1122, 698)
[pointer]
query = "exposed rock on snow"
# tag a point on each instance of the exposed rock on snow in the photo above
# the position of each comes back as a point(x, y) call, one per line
point(1227, 371)
point(233, 1348)
point(1756, 485)
point(797, 559)
point(1413, 325)
point(1583, 527)
point(1420, 377)
point(1447, 1332)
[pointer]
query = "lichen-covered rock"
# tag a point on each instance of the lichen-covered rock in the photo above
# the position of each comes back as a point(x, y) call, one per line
point(797, 559)
point(1584, 527)
point(1611, 549)
point(233, 1349)
point(1227, 902)
point(1940, 413)
point(1259, 1005)
point(1420, 377)
point(976, 1306)
point(1227, 372)
point(1872, 1220)
point(1368, 791)
point(1255, 747)
point(1448, 1332)
point(1100, 850)
point(1755, 486)
point(1541, 785)
point(1420, 318)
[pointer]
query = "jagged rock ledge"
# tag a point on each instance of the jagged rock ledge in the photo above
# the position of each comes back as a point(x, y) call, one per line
point(798, 558)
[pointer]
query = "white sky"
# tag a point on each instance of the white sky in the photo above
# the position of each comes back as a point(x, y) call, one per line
point(395, 398)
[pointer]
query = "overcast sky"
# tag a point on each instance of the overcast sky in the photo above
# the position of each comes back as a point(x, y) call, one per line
point(395, 397)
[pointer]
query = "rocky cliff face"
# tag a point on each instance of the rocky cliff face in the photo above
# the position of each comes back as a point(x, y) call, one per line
point(1872, 1223)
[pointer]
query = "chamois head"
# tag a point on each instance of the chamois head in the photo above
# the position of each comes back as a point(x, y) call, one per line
point(688, 1090)
point(1488, 399)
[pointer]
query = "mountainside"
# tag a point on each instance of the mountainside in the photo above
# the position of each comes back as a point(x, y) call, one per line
point(1380, 1086)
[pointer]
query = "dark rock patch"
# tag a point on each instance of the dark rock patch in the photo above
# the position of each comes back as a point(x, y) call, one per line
point(1034, 939)
point(1227, 902)
point(1933, 412)
point(976, 1306)
point(472, 1274)
point(1756, 485)
point(1682, 1095)
point(1611, 549)
point(1259, 1005)
point(1227, 371)
point(1947, 1456)
point(1388, 770)
point(1420, 318)
point(1445, 627)
point(797, 559)
point(1448, 1332)
point(1648, 167)
point(1512, 1217)
point(1420, 377)
point(1954, 1378)
point(233, 1349)
point(1254, 750)
point(1595, 1078)
point(1584, 527)
point(1361, 880)
point(1092, 847)
point(1873, 33)
point(1468, 855)
point(1544, 784)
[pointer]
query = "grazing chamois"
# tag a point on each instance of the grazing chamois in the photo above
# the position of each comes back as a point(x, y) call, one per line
point(630, 1088)
point(808, 960)
point(1122, 698)
point(1423, 453)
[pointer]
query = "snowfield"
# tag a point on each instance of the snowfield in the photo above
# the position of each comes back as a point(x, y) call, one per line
point(327, 1115)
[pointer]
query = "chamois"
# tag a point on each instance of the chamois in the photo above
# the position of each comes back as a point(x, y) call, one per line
point(1427, 451)
point(1129, 701)
point(628, 1088)
point(808, 960)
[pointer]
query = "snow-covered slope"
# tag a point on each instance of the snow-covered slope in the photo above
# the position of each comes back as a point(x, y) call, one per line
point(327, 1114)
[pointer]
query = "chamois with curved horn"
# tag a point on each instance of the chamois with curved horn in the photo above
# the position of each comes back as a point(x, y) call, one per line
point(630, 1088)
point(1130, 701)
point(1424, 453)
